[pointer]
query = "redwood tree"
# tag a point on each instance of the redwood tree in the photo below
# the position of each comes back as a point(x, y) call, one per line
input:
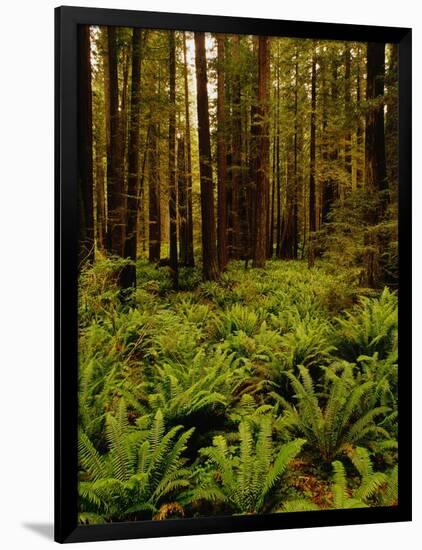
point(312, 158)
point(154, 196)
point(172, 159)
point(375, 159)
point(330, 187)
point(128, 274)
point(347, 104)
point(236, 179)
point(182, 200)
point(375, 165)
point(115, 199)
point(209, 246)
point(312, 205)
point(262, 185)
point(221, 156)
point(190, 261)
point(85, 163)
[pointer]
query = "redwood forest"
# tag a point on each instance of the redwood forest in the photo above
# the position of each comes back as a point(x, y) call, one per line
point(237, 274)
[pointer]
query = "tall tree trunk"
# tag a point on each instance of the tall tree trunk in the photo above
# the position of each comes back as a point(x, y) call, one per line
point(295, 161)
point(347, 109)
point(85, 162)
point(123, 126)
point(359, 129)
point(106, 84)
point(262, 187)
point(312, 204)
point(221, 156)
point(115, 199)
point(172, 160)
point(154, 197)
point(100, 195)
point(142, 207)
point(375, 160)
point(287, 221)
point(209, 246)
point(391, 122)
point(278, 229)
point(253, 154)
point(190, 261)
point(324, 136)
point(182, 196)
point(375, 165)
point(277, 161)
point(273, 176)
point(128, 273)
point(330, 186)
point(236, 151)
point(273, 186)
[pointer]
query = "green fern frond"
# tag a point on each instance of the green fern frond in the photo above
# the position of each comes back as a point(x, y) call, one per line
point(298, 505)
point(211, 494)
point(339, 489)
point(119, 452)
point(285, 455)
point(90, 458)
point(390, 498)
point(89, 518)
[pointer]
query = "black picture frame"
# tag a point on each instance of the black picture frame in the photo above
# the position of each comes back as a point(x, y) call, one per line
point(66, 21)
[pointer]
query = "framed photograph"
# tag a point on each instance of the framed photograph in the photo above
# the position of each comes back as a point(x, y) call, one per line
point(233, 274)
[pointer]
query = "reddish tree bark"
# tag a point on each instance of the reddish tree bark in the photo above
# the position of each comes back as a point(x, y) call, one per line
point(128, 273)
point(347, 103)
point(209, 246)
point(262, 187)
point(221, 157)
point(236, 179)
point(375, 166)
point(115, 200)
point(154, 197)
point(172, 160)
point(190, 260)
point(312, 204)
point(182, 196)
point(85, 162)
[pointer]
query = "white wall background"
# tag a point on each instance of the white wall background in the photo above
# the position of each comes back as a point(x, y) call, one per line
point(26, 288)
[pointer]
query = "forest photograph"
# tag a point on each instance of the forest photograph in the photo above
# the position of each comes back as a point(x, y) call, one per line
point(237, 274)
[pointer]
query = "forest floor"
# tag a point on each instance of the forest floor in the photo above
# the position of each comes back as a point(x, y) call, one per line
point(213, 355)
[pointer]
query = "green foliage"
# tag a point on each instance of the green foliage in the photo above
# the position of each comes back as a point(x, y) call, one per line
point(189, 278)
point(98, 290)
point(142, 468)
point(252, 363)
point(372, 488)
point(370, 328)
point(341, 496)
point(307, 343)
point(247, 478)
point(247, 409)
point(336, 419)
point(235, 319)
point(357, 242)
point(390, 496)
point(298, 505)
point(152, 278)
point(305, 347)
point(194, 313)
point(106, 351)
point(183, 389)
point(383, 374)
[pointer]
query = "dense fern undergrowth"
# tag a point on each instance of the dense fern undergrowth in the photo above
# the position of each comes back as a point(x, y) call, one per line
point(272, 390)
